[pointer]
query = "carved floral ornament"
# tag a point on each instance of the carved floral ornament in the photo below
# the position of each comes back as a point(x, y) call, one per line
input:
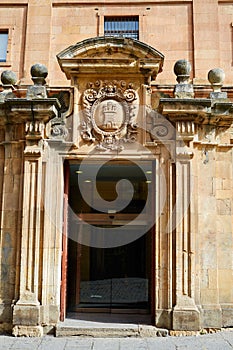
point(110, 113)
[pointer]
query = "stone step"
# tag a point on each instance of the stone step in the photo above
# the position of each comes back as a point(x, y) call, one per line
point(110, 330)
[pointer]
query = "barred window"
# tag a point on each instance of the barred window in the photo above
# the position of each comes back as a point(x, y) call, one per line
point(3, 45)
point(127, 27)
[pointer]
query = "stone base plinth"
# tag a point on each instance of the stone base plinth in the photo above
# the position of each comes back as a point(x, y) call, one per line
point(163, 318)
point(211, 317)
point(27, 331)
point(26, 321)
point(185, 319)
point(26, 315)
point(227, 316)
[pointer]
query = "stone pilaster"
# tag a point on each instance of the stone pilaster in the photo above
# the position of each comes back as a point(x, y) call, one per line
point(185, 313)
point(28, 304)
point(12, 152)
point(31, 114)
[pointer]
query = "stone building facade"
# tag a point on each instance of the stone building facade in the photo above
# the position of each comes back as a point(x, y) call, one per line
point(155, 111)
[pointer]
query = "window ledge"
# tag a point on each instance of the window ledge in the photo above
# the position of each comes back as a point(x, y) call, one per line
point(5, 64)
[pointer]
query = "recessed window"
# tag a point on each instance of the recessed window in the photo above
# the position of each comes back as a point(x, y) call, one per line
point(126, 26)
point(3, 45)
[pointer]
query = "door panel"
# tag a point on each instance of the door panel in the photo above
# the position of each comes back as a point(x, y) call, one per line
point(111, 277)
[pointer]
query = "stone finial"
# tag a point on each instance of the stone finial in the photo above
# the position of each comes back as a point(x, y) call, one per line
point(216, 78)
point(38, 72)
point(8, 79)
point(183, 89)
point(182, 69)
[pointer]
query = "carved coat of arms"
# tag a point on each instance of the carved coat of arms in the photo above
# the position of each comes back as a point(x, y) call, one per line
point(110, 112)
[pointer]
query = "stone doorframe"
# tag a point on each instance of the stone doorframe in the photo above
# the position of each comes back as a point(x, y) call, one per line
point(111, 72)
point(111, 116)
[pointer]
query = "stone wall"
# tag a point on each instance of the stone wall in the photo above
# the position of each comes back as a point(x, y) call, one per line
point(191, 30)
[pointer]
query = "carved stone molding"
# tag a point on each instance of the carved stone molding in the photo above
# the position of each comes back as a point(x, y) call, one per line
point(110, 112)
point(199, 120)
point(159, 128)
point(58, 131)
point(200, 111)
point(162, 130)
point(111, 54)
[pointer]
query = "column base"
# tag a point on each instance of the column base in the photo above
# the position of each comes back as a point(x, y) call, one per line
point(27, 331)
point(163, 318)
point(185, 319)
point(26, 315)
point(26, 321)
point(185, 315)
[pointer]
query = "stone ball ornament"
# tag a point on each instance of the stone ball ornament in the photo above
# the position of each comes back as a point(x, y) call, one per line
point(8, 77)
point(182, 67)
point(216, 76)
point(39, 70)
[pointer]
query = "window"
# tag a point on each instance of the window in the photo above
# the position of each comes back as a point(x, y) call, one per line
point(122, 26)
point(3, 45)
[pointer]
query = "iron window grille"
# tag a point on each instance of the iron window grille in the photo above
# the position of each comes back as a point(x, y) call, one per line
point(127, 27)
point(3, 45)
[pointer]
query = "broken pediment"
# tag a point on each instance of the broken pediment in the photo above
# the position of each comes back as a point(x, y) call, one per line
point(116, 54)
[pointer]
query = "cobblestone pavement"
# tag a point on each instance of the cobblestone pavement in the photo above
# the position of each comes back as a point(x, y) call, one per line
point(218, 341)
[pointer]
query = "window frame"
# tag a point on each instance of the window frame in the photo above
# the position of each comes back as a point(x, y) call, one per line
point(119, 26)
point(8, 30)
point(109, 12)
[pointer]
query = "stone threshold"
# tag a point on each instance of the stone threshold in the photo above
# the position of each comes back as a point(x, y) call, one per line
point(105, 326)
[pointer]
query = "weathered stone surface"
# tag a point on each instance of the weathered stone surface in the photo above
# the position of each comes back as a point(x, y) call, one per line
point(97, 332)
point(25, 315)
point(182, 68)
point(218, 95)
point(216, 76)
point(39, 70)
point(211, 318)
point(111, 331)
point(227, 315)
point(27, 331)
point(185, 320)
point(36, 91)
point(8, 77)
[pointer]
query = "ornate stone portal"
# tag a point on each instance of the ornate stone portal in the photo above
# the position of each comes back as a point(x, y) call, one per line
point(107, 114)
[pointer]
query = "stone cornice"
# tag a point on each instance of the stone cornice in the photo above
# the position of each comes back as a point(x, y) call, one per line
point(19, 110)
point(199, 111)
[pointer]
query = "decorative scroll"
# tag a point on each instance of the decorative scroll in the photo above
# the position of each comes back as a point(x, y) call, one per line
point(161, 129)
point(58, 131)
point(110, 113)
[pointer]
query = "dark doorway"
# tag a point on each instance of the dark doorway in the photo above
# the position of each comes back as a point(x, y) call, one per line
point(119, 278)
